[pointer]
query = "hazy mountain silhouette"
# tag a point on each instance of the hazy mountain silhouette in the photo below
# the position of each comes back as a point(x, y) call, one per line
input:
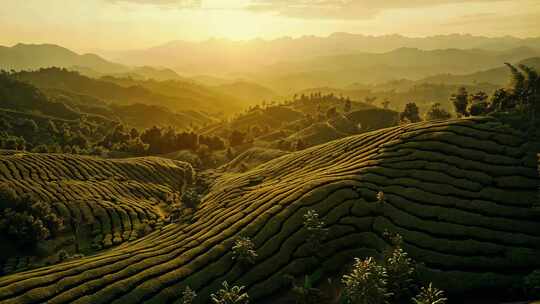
point(175, 95)
point(371, 68)
point(227, 56)
point(498, 76)
point(36, 56)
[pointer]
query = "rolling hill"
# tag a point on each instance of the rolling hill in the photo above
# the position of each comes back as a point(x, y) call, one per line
point(104, 202)
point(175, 95)
point(460, 193)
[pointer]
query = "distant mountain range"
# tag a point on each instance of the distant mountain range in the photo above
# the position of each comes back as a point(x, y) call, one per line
point(226, 56)
point(36, 56)
point(498, 76)
point(370, 68)
point(259, 70)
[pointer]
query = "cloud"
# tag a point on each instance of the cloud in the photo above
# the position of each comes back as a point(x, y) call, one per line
point(343, 9)
point(181, 4)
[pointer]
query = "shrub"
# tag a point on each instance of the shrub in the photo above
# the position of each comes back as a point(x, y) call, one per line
point(430, 295)
point(381, 197)
point(188, 296)
point(315, 227)
point(63, 255)
point(230, 295)
point(399, 268)
point(40, 149)
point(436, 112)
point(531, 283)
point(26, 220)
point(191, 199)
point(460, 100)
point(243, 251)
point(410, 114)
point(306, 293)
point(366, 283)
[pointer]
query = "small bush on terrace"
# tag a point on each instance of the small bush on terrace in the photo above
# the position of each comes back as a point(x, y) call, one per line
point(191, 198)
point(315, 227)
point(244, 251)
point(366, 283)
point(188, 296)
point(230, 295)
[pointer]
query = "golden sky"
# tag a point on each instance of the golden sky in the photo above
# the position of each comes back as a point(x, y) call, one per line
point(130, 24)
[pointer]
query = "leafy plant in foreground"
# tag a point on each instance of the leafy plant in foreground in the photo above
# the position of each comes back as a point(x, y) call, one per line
point(430, 295)
point(230, 295)
point(399, 268)
point(366, 283)
point(306, 293)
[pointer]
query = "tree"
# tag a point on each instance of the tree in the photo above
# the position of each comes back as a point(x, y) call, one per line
point(460, 100)
point(525, 90)
point(134, 133)
point(348, 106)
point(331, 113)
point(152, 137)
point(237, 138)
point(501, 100)
point(437, 113)
point(51, 127)
point(410, 114)
point(478, 104)
point(29, 126)
point(25, 219)
point(386, 104)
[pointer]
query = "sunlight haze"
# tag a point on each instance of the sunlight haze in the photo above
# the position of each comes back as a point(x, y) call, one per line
point(132, 24)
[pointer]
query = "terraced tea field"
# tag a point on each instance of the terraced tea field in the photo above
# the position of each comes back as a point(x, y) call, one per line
point(103, 202)
point(461, 193)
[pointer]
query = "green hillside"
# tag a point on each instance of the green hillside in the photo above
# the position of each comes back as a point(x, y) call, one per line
point(102, 202)
point(460, 193)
